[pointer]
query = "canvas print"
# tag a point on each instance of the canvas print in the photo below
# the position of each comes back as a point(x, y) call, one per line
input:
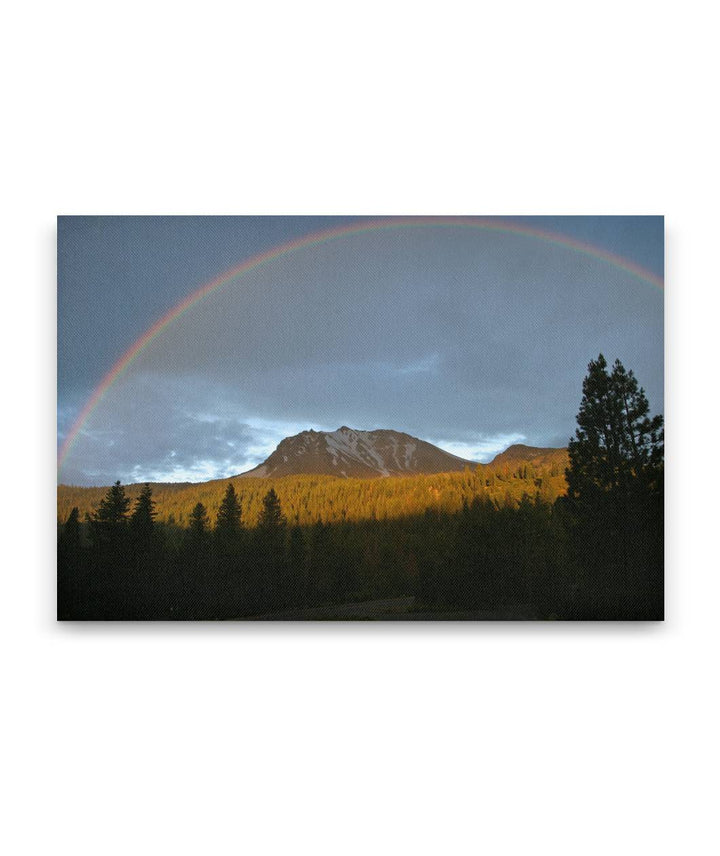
point(360, 418)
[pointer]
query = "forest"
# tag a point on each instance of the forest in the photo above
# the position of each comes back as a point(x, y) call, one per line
point(308, 498)
point(577, 537)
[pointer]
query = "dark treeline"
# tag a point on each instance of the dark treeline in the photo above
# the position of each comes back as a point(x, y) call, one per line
point(595, 553)
point(120, 564)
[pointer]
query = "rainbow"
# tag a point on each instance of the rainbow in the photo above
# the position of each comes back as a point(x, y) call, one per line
point(486, 224)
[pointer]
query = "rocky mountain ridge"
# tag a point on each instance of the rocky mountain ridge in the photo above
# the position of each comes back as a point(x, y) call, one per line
point(352, 453)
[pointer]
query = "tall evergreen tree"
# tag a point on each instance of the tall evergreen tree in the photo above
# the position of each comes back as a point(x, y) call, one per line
point(270, 559)
point(194, 566)
point(617, 445)
point(615, 491)
point(113, 506)
point(229, 516)
point(144, 536)
point(229, 555)
point(109, 522)
point(196, 540)
point(142, 519)
point(199, 523)
point(147, 589)
point(271, 516)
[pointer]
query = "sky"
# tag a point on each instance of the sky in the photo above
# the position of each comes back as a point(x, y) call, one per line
point(470, 338)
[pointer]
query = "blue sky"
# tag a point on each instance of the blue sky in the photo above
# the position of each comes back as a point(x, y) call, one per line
point(472, 340)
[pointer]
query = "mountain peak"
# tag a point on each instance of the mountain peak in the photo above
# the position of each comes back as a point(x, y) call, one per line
point(354, 453)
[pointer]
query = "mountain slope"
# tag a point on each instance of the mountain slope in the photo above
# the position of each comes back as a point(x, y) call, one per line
point(531, 454)
point(356, 454)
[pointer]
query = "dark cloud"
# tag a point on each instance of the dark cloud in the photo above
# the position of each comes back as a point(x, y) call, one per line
point(472, 339)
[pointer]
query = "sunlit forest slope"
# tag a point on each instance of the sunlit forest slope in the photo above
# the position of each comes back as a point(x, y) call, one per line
point(307, 499)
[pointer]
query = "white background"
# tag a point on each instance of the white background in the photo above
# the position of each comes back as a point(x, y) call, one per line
point(506, 739)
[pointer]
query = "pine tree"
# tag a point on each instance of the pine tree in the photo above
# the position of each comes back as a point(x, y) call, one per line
point(271, 562)
point(271, 516)
point(615, 496)
point(113, 507)
point(145, 540)
point(142, 519)
point(199, 589)
point(617, 445)
point(229, 516)
point(196, 539)
point(109, 522)
point(198, 526)
point(228, 531)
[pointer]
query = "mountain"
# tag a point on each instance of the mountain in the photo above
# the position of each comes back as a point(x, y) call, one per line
point(532, 455)
point(356, 454)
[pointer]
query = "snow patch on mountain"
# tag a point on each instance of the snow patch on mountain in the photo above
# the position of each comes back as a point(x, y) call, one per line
point(356, 453)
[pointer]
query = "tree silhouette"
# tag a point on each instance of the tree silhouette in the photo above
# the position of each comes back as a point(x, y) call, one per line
point(229, 516)
point(617, 446)
point(270, 567)
point(144, 538)
point(145, 582)
point(228, 552)
point(615, 492)
point(194, 567)
point(108, 524)
point(271, 516)
point(199, 523)
point(142, 519)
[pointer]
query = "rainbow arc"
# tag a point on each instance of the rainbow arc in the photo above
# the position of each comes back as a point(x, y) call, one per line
point(317, 238)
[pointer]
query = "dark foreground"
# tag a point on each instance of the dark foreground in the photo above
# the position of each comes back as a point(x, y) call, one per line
point(485, 563)
point(393, 609)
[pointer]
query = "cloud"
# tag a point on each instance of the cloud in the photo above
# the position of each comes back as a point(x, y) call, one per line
point(172, 429)
point(481, 449)
point(474, 339)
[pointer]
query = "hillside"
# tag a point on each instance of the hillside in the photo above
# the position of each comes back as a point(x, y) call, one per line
point(308, 498)
point(531, 454)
